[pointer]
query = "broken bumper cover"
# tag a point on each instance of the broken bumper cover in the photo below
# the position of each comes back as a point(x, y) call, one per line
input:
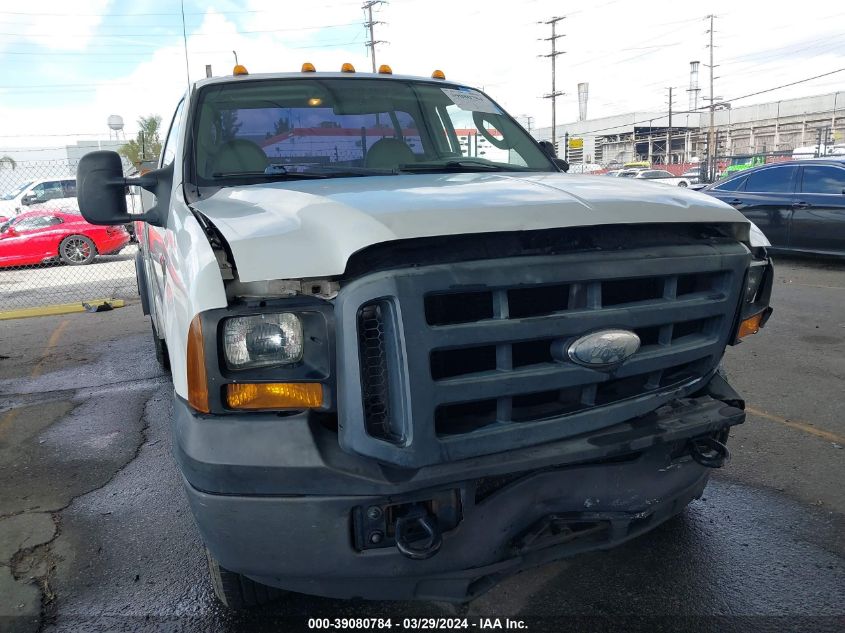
point(551, 501)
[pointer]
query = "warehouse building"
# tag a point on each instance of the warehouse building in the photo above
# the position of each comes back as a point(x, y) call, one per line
point(774, 128)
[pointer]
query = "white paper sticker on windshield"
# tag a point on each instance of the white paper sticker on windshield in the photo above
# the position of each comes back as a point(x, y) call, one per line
point(471, 100)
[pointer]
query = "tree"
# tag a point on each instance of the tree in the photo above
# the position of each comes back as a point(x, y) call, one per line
point(7, 160)
point(147, 143)
point(229, 124)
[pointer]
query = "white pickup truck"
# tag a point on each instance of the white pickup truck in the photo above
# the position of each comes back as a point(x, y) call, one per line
point(401, 371)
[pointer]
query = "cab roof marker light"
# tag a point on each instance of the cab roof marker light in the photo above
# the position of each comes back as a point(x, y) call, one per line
point(308, 67)
point(347, 68)
point(240, 69)
point(438, 74)
point(384, 69)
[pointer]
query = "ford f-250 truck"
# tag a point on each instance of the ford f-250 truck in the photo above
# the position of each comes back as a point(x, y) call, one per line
point(403, 370)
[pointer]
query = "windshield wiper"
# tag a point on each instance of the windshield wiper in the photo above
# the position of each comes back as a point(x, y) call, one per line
point(454, 166)
point(281, 174)
point(318, 171)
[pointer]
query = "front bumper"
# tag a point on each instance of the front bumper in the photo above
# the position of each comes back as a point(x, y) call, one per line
point(281, 512)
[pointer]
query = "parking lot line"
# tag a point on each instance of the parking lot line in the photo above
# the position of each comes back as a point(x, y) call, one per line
point(798, 425)
point(60, 308)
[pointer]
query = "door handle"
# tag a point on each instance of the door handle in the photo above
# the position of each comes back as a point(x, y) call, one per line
point(801, 205)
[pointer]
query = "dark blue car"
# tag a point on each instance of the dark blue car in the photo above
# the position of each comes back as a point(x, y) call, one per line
point(799, 205)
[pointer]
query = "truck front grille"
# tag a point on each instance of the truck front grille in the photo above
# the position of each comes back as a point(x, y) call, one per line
point(470, 359)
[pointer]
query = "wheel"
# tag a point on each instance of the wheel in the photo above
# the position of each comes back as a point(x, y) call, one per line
point(682, 184)
point(236, 591)
point(162, 355)
point(77, 250)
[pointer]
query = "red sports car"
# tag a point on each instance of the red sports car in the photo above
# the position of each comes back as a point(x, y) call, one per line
point(43, 236)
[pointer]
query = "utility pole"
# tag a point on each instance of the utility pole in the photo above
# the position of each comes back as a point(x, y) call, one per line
point(370, 23)
point(669, 131)
point(711, 134)
point(554, 94)
point(529, 120)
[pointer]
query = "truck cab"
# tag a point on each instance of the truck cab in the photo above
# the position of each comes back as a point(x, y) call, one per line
point(404, 369)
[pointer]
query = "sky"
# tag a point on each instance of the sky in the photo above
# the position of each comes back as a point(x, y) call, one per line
point(67, 66)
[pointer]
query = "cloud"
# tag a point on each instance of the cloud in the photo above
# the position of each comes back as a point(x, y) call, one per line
point(629, 54)
point(57, 24)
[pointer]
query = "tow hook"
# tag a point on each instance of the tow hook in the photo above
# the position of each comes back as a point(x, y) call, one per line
point(417, 519)
point(708, 451)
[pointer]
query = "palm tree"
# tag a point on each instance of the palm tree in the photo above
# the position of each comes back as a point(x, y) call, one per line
point(7, 160)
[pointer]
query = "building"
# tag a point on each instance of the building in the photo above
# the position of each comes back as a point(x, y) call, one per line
point(774, 128)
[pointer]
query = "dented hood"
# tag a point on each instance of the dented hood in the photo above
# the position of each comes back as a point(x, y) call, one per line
point(310, 228)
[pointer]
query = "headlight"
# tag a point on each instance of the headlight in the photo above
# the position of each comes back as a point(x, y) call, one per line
point(753, 280)
point(262, 340)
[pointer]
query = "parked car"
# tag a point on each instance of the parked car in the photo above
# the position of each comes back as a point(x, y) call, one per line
point(408, 372)
point(693, 175)
point(55, 193)
point(663, 177)
point(39, 237)
point(799, 205)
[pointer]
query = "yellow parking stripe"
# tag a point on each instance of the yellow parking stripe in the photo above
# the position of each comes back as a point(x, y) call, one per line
point(799, 426)
point(59, 308)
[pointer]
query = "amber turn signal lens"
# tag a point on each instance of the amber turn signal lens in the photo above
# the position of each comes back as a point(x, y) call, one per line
point(275, 395)
point(751, 325)
point(197, 376)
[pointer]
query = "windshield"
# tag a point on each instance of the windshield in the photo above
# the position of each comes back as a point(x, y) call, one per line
point(286, 128)
point(14, 193)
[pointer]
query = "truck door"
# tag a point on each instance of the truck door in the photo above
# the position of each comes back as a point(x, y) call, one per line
point(818, 219)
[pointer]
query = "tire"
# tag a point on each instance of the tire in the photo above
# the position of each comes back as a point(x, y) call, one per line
point(682, 184)
point(77, 250)
point(237, 592)
point(162, 355)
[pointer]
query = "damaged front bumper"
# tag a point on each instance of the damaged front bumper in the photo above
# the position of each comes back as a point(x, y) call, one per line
point(302, 515)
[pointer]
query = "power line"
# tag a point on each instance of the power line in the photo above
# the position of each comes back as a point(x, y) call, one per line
point(731, 100)
point(213, 34)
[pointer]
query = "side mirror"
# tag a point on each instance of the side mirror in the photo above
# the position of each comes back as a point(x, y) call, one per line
point(549, 148)
point(562, 164)
point(29, 199)
point(101, 190)
point(10, 232)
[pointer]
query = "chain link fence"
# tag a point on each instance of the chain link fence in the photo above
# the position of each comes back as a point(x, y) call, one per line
point(49, 254)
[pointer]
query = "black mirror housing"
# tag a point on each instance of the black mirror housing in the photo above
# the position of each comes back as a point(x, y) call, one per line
point(548, 148)
point(28, 199)
point(101, 190)
point(562, 164)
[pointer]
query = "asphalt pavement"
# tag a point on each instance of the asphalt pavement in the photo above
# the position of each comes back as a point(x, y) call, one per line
point(96, 535)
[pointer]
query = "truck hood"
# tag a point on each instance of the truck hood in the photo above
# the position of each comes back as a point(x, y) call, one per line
point(310, 228)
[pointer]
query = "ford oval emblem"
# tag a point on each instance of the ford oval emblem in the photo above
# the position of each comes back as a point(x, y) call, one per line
point(604, 348)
